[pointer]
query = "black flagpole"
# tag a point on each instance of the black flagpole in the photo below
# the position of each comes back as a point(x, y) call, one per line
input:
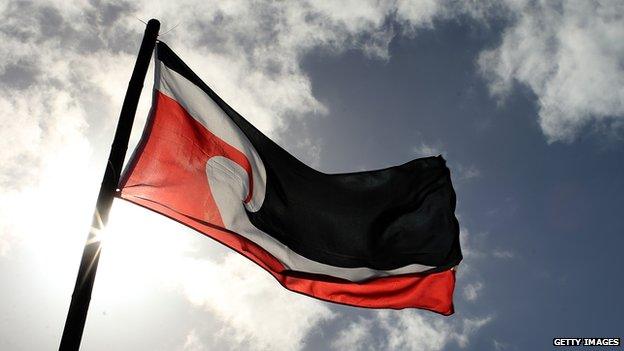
point(77, 315)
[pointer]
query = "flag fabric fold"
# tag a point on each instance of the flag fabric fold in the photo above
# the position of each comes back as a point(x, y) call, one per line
point(387, 238)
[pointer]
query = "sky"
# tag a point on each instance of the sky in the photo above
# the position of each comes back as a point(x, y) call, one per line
point(525, 100)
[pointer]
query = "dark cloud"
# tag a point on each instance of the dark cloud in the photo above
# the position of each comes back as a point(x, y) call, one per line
point(19, 75)
point(96, 27)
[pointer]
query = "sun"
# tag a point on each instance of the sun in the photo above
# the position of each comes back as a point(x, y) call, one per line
point(140, 251)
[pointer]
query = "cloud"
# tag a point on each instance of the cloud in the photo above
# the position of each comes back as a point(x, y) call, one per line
point(193, 342)
point(471, 291)
point(467, 172)
point(459, 171)
point(256, 312)
point(419, 330)
point(251, 53)
point(5, 246)
point(409, 330)
point(54, 95)
point(55, 110)
point(311, 150)
point(355, 336)
point(569, 54)
point(425, 150)
point(240, 305)
point(499, 345)
point(503, 254)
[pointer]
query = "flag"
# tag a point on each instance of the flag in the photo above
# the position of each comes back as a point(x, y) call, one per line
point(386, 238)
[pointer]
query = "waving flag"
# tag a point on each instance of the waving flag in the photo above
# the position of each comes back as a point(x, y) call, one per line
point(381, 239)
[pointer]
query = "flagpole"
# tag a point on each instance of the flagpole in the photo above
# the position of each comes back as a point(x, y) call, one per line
point(77, 314)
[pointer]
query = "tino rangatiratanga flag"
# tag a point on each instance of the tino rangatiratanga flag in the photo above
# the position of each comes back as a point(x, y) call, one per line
point(386, 238)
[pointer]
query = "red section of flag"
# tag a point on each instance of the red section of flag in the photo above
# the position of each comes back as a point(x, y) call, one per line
point(168, 175)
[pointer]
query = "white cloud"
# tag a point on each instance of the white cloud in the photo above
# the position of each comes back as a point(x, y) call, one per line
point(412, 331)
point(5, 246)
point(503, 254)
point(467, 172)
point(419, 330)
point(570, 54)
point(193, 342)
point(471, 290)
point(469, 327)
point(54, 111)
point(242, 306)
point(256, 312)
point(459, 172)
point(474, 251)
point(311, 150)
point(409, 330)
point(499, 345)
point(355, 336)
point(471, 243)
point(250, 53)
point(425, 150)
point(418, 14)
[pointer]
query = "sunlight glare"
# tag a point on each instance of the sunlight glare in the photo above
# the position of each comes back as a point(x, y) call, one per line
point(141, 251)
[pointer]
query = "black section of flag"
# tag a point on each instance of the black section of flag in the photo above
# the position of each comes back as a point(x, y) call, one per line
point(383, 219)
